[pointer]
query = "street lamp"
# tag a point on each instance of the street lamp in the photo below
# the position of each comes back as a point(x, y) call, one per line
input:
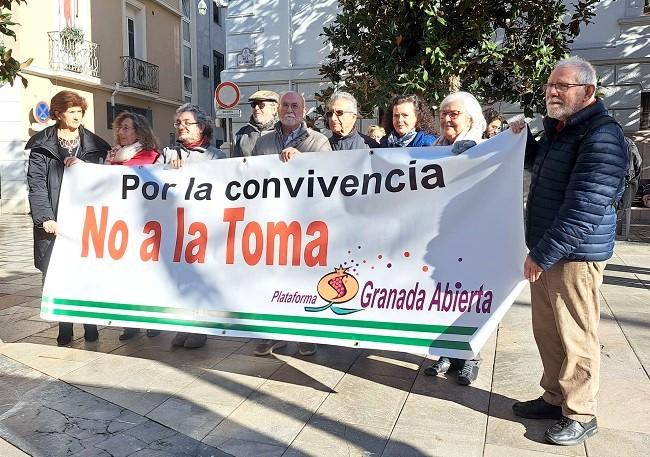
point(202, 7)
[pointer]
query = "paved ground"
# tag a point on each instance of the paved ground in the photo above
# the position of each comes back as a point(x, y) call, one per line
point(145, 399)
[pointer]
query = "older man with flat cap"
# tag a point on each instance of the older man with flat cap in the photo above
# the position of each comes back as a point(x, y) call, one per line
point(264, 106)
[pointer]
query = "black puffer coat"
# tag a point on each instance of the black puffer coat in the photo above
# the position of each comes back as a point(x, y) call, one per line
point(577, 179)
point(44, 176)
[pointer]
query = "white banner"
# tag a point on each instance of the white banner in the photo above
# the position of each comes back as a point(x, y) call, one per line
point(413, 250)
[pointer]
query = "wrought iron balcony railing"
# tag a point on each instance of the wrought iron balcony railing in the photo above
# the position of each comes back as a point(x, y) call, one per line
point(74, 55)
point(139, 74)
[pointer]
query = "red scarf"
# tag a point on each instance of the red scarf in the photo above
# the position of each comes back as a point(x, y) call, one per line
point(196, 144)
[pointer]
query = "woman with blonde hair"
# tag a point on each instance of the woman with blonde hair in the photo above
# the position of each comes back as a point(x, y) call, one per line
point(376, 132)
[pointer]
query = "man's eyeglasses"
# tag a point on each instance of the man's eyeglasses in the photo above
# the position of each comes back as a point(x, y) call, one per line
point(452, 114)
point(184, 124)
point(562, 87)
point(261, 104)
point(338, 112)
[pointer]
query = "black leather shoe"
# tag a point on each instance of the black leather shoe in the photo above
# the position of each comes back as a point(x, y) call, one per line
point(568, 432)
point(65, 334)
point(440, 366)
point(468, 373)
point(63, 339)
point(128, 333)
point(537, 409)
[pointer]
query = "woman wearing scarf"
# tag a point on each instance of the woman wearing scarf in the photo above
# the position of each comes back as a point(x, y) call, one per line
point(193, 136)
point(135, 144)
point(462, 125)
point(410, 123)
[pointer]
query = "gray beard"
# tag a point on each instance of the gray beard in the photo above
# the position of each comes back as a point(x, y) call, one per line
point(562, 111)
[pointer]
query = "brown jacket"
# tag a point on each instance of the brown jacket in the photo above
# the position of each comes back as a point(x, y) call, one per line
point(307, 141)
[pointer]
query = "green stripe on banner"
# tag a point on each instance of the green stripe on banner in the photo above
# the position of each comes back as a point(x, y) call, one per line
point(259, 328)
point(440, 329)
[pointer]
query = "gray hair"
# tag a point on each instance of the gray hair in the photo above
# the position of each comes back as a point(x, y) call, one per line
point(302, 97)
point(472, 109)
point(201, 117)
point(585, 72)
point(340, 95)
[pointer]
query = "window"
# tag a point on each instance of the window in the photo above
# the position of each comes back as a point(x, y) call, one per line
point(218, 64)
point(134, 30)
point(644, 124)
point(110, 115)
point(130, 25)
point(186, 25)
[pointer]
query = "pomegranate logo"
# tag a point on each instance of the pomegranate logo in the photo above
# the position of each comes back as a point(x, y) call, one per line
point(335, 288)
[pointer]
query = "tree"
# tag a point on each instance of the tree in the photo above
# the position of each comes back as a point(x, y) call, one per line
point(497, 50)
point(9, 67)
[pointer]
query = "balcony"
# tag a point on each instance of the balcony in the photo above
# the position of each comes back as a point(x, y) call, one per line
point(74, 55)
point(139, 74)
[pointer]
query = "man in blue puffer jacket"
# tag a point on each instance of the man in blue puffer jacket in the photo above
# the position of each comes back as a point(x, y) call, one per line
point(578, 170)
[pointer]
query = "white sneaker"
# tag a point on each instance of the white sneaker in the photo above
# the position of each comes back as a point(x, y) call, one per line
point(268, 346)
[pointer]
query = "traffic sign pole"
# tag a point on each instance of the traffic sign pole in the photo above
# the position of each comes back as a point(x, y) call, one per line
point(226, 97)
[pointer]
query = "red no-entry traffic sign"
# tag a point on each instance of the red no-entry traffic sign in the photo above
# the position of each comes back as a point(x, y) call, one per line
point(227, 95)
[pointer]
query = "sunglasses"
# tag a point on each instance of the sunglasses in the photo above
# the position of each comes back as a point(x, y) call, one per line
point(338, 112)
point(261, 104)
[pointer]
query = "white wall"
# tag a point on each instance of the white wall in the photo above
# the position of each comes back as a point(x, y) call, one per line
point(285, 34)
point(13, 165)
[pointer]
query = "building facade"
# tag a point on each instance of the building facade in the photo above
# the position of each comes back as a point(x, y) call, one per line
point(210, 53)
point(618, 44)
point(118, 54)
point(150, 56)
point(276, 45)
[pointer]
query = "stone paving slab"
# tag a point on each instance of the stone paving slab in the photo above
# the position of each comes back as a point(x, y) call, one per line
point(48, 417)
point(144, 398)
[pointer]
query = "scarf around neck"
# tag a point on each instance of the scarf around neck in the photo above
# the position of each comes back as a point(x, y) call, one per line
point(265, 126)
point(120, 154)
point(202, 143)
point(396, 142)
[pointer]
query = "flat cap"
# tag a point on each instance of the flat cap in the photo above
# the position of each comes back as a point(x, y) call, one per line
point(265, 95)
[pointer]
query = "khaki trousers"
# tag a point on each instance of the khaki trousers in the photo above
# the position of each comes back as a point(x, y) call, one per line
point(566, 311)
